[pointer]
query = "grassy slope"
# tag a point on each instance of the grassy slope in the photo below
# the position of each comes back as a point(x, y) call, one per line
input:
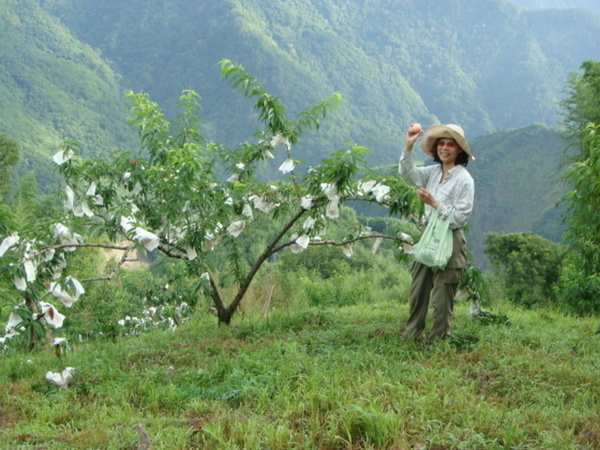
point(336, 378)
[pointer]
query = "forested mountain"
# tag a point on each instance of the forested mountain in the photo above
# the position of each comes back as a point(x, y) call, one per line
point(54, 87)
point(518, 184)
point(488, 65)
point(590, 5)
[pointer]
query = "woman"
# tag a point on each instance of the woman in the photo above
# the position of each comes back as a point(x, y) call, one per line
point(448, 187)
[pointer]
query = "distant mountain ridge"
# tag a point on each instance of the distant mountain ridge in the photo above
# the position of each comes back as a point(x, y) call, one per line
point(54, 87)
point(591, 5)
point(489, 65)
point(486, 64)
point(517, 184)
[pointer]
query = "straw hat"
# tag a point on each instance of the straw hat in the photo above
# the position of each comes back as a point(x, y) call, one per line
point(450, 131)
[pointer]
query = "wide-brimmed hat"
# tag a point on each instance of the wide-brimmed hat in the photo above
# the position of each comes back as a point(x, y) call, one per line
point(450, 131)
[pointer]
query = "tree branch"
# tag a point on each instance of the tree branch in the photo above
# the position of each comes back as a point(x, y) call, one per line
point(269, 250)
point(122, 261)
point(349, 241)
point(222, 311)
point(58, 246)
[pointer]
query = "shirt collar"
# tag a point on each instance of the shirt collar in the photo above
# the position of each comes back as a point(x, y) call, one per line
point(457, 168)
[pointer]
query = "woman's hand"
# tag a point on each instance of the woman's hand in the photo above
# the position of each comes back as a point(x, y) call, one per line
point(412, 134)
point(426, 197)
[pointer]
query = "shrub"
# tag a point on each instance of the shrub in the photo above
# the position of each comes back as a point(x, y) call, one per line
point(579, 292)
point(132, 303)
point(528, 265)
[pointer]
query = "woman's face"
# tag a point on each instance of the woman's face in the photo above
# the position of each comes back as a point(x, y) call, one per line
point(448, 150)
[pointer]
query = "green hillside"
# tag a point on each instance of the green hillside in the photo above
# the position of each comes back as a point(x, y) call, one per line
point(54, 87)
point(299, 58)
point(591, 5)
point(517, 184)
point(488, 65)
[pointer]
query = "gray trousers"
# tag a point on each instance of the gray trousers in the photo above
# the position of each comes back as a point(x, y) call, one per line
point(437, 287)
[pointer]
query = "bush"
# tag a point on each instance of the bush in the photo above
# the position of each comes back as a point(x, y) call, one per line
point(580, 280)
point(339, 290)
point(326, 277)
point(579, 293)
point(132, 303)
point(528, 265)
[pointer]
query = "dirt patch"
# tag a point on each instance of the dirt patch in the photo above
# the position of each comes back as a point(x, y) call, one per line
point(587, 431)
point(10, 411)
point(135, 260)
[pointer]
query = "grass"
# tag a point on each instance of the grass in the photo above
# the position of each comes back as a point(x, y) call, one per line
point(336, 378)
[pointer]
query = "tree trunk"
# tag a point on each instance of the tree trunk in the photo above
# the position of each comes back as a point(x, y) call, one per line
point(224, 316)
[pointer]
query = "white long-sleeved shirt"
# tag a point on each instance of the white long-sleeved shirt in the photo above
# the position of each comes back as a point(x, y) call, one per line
point(455, 194)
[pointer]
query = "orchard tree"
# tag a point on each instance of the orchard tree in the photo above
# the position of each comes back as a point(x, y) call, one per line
point(580, 278)
point(9, 156)
point(190, 199)
point(581, 106)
